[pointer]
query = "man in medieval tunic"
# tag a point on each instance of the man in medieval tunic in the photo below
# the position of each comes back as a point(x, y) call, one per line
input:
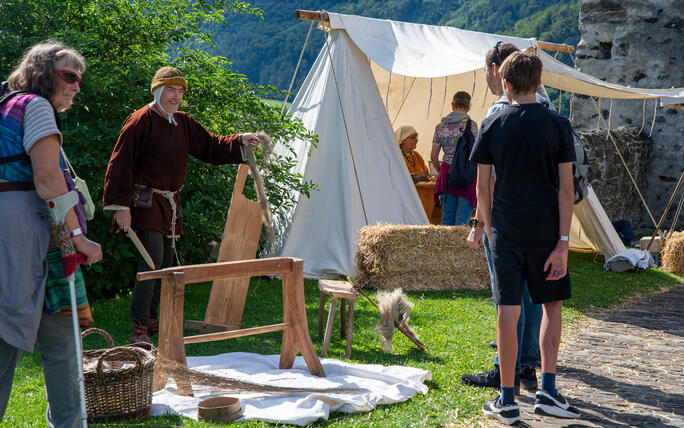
point(145, 175)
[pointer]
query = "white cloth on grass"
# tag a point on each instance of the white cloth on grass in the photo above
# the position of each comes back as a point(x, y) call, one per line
point(376, 385)
point(628, 259)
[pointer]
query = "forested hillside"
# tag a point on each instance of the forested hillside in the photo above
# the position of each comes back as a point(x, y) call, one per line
point(267, 49)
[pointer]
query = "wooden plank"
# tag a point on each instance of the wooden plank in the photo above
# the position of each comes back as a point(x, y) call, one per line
point(294, 312)
point(235, 333)
point(240, 242)
point(207, 328)
point(312, 15)
point(315, 15)
point(171, 345)
point(237, 269)
point(555, 47)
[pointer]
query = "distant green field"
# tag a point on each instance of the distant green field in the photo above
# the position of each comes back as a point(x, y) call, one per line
point(277, 103)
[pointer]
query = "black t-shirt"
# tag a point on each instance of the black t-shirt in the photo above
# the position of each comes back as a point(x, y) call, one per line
point(525, 143)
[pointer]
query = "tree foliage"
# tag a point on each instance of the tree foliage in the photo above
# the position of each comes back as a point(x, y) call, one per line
point(124, 43)
point(266, 48)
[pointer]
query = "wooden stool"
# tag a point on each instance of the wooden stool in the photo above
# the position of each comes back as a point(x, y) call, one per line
point(342, 290)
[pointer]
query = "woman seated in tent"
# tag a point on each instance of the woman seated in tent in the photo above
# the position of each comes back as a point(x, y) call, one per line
point(407, 138)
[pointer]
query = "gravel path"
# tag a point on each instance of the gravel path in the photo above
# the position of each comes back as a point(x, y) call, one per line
point(624, 368)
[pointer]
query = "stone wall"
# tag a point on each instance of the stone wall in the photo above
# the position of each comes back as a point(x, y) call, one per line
point(638, 43)
point(609, 177)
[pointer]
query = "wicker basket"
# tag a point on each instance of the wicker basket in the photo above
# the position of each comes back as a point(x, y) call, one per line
point(118, 381)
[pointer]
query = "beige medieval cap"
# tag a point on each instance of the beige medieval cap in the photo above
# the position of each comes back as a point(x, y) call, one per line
point(168, 76)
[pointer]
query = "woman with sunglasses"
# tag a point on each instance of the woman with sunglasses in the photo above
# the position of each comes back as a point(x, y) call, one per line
point(30, 173)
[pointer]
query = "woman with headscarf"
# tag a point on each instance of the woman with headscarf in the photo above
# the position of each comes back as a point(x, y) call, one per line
point(407, 138)
point(31, 173)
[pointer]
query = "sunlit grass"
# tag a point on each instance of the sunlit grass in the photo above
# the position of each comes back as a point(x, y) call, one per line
point(455, 325)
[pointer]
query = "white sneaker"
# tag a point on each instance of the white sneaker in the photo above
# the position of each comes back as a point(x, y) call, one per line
point(509, 414)
point(546, 404)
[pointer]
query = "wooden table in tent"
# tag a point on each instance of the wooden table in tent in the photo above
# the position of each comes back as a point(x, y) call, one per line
point(425, 191)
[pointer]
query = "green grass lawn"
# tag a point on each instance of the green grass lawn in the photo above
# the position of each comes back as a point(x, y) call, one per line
point(455, 325)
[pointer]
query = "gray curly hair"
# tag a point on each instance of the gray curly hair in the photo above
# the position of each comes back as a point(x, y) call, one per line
point(36, 72)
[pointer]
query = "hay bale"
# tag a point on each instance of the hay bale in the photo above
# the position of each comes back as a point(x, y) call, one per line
point(391, 256)
point(673, 254)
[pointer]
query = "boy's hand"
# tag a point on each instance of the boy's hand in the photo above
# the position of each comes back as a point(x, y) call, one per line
point(557, 262)
point(475, 237)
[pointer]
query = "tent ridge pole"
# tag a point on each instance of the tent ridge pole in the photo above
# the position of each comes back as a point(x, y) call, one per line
point(322, 16)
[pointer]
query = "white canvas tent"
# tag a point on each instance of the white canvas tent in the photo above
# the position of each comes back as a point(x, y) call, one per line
point(372, 76)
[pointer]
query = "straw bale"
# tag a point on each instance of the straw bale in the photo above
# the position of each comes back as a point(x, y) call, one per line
point(673, 254)
point(429, 257)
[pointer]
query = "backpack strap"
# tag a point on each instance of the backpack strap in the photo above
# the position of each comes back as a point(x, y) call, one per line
point(15, 158)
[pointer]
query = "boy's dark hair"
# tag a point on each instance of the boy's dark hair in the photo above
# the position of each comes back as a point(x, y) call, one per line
point(523, 71)
point(461, 100)
point(498, 54)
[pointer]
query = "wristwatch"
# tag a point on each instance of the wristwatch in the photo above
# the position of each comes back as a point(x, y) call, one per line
point(474, 223)
point(564, 238)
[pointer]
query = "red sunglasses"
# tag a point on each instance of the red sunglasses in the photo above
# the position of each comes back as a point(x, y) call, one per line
point(69, 76)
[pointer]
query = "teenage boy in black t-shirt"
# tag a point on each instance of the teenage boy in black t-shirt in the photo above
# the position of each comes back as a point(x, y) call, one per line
point(531, 150)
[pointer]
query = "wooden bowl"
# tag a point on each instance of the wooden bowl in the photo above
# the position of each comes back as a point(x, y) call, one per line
point(219, 409)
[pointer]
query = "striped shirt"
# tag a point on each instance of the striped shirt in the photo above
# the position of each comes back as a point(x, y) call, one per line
point(24, 120)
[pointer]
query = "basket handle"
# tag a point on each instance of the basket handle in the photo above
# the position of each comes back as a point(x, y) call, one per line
point(118, 351)
point(108, 338)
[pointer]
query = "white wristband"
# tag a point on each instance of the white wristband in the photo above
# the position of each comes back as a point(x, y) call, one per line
point(564, 238)
point(76, 232)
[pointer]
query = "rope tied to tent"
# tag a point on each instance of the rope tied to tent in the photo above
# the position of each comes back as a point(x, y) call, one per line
point(429, 100)
point(344, 121)
point(389, 83)
point(441, 111)
point(655, 111)
point(610, 114)
point(667, 209)
point(472, 92)
point(676, 216)
point(403, 101)
point(572, 98)
point(301, 54)
point(624, 163)
point(643, 116)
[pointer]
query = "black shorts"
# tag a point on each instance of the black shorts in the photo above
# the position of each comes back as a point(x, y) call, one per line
point(514, 264)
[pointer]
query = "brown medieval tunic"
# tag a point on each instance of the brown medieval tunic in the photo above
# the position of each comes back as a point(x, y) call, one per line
point(152, 152)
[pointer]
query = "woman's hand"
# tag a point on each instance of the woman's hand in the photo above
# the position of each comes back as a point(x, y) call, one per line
point(249, 140)
point(91, 250)
point(123, 219)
